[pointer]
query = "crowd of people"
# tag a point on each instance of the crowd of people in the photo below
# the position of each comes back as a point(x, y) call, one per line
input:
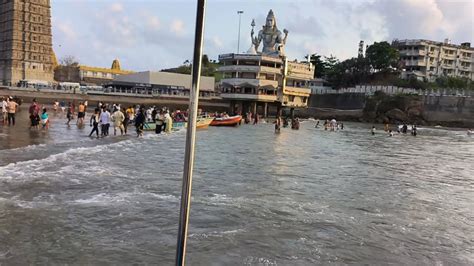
point(106, 115)
point(143, 118)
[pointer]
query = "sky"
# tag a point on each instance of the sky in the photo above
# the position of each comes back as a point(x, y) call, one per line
point(156, 34)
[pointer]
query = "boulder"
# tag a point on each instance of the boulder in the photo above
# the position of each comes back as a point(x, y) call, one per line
point(396, 114)
point(414, 112)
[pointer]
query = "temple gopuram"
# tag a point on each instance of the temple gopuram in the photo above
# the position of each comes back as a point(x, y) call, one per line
point(258, 81)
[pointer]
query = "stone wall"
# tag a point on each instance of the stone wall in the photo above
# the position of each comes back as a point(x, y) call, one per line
point(346, 101)
point(456, 111)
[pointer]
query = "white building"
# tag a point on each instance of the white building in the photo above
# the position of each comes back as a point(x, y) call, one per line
point(428, 60)
point(256, 81)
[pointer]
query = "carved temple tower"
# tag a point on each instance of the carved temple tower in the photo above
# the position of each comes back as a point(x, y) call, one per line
point(25, 41)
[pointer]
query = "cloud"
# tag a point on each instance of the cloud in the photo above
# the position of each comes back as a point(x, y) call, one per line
point(116, 7)
point(66, 30)
point(217, 42)
point(177, 27)
point(154, 22)
point(428, 19)
point(154, 35)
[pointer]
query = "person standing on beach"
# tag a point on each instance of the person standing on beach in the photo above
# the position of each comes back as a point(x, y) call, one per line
point(12, 106)
point(118, 118)
point(94, 122)
point(4, 110)
point(373, 130)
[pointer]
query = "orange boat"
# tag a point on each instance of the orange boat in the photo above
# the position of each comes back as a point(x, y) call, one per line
point(226, 121)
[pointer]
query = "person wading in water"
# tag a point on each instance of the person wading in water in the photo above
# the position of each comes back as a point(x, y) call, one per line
point(140, 122)
point(94, 122)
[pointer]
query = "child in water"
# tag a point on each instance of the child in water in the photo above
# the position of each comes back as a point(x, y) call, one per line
point(45, 119)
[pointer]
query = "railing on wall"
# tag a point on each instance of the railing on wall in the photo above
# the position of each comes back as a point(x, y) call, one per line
point(393, 90)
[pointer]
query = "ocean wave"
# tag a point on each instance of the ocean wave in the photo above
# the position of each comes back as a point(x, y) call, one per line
point(125, 197)
point(217, 233)
point(27, 148)
point(70, 153)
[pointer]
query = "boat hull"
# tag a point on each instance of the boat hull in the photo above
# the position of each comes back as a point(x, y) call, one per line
point(226, 122)
point(203, 122)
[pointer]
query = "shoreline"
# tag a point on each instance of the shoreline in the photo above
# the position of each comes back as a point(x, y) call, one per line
point(176, 102)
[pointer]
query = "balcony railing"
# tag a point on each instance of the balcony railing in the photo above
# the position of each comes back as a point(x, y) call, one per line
point(415, 63)
point(251, 82)
point(244, 96)
point(412, 52)
point(255, 69)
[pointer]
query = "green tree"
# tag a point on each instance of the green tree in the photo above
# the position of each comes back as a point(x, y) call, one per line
point(382, 56)
point(348, 73)
point(205, 60)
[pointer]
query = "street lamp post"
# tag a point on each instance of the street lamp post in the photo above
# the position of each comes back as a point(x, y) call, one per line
point(238, 40)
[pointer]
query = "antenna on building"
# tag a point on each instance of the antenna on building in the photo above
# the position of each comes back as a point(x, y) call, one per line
point(361, 49)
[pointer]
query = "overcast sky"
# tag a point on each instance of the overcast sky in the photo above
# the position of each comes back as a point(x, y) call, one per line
point(157, 34)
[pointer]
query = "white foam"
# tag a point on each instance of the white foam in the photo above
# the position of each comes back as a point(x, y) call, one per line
point(37, 164)
point(110, 199)
point(217, 233)
point(28, 148)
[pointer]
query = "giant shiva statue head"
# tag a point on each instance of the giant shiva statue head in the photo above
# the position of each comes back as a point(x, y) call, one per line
point(271, 22)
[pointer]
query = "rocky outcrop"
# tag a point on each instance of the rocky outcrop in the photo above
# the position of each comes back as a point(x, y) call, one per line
point(396, 115)
point(383, 108)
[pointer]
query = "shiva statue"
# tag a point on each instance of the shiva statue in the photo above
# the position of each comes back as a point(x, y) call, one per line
point(273, 39)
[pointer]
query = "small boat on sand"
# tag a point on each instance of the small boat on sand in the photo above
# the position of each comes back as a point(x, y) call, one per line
point(226, 121)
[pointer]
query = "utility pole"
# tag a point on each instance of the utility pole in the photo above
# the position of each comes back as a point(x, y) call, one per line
point(238, 40)
point(190, 136)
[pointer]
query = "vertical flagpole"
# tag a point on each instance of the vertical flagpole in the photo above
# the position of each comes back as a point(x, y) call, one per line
point(190, 136)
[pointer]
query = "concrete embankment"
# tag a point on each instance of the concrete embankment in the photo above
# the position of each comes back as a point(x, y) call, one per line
point(174, 102)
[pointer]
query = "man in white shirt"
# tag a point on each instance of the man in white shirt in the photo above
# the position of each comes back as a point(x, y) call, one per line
point(105, 121)
point(117, 118)
point(4, 110)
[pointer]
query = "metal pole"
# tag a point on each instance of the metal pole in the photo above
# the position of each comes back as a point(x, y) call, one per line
point(190, 136)
point(238, 40)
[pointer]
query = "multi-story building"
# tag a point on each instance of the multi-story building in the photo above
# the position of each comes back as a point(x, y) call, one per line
point(257, 80)
point(253, 81)
point(428, 60)
point(25, 41)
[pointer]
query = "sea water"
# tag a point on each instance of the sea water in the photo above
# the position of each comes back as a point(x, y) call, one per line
point(296, 198)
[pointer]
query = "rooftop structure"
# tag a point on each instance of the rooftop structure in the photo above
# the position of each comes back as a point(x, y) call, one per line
point(88, 75)
point(428, 60)
point(159, 84)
